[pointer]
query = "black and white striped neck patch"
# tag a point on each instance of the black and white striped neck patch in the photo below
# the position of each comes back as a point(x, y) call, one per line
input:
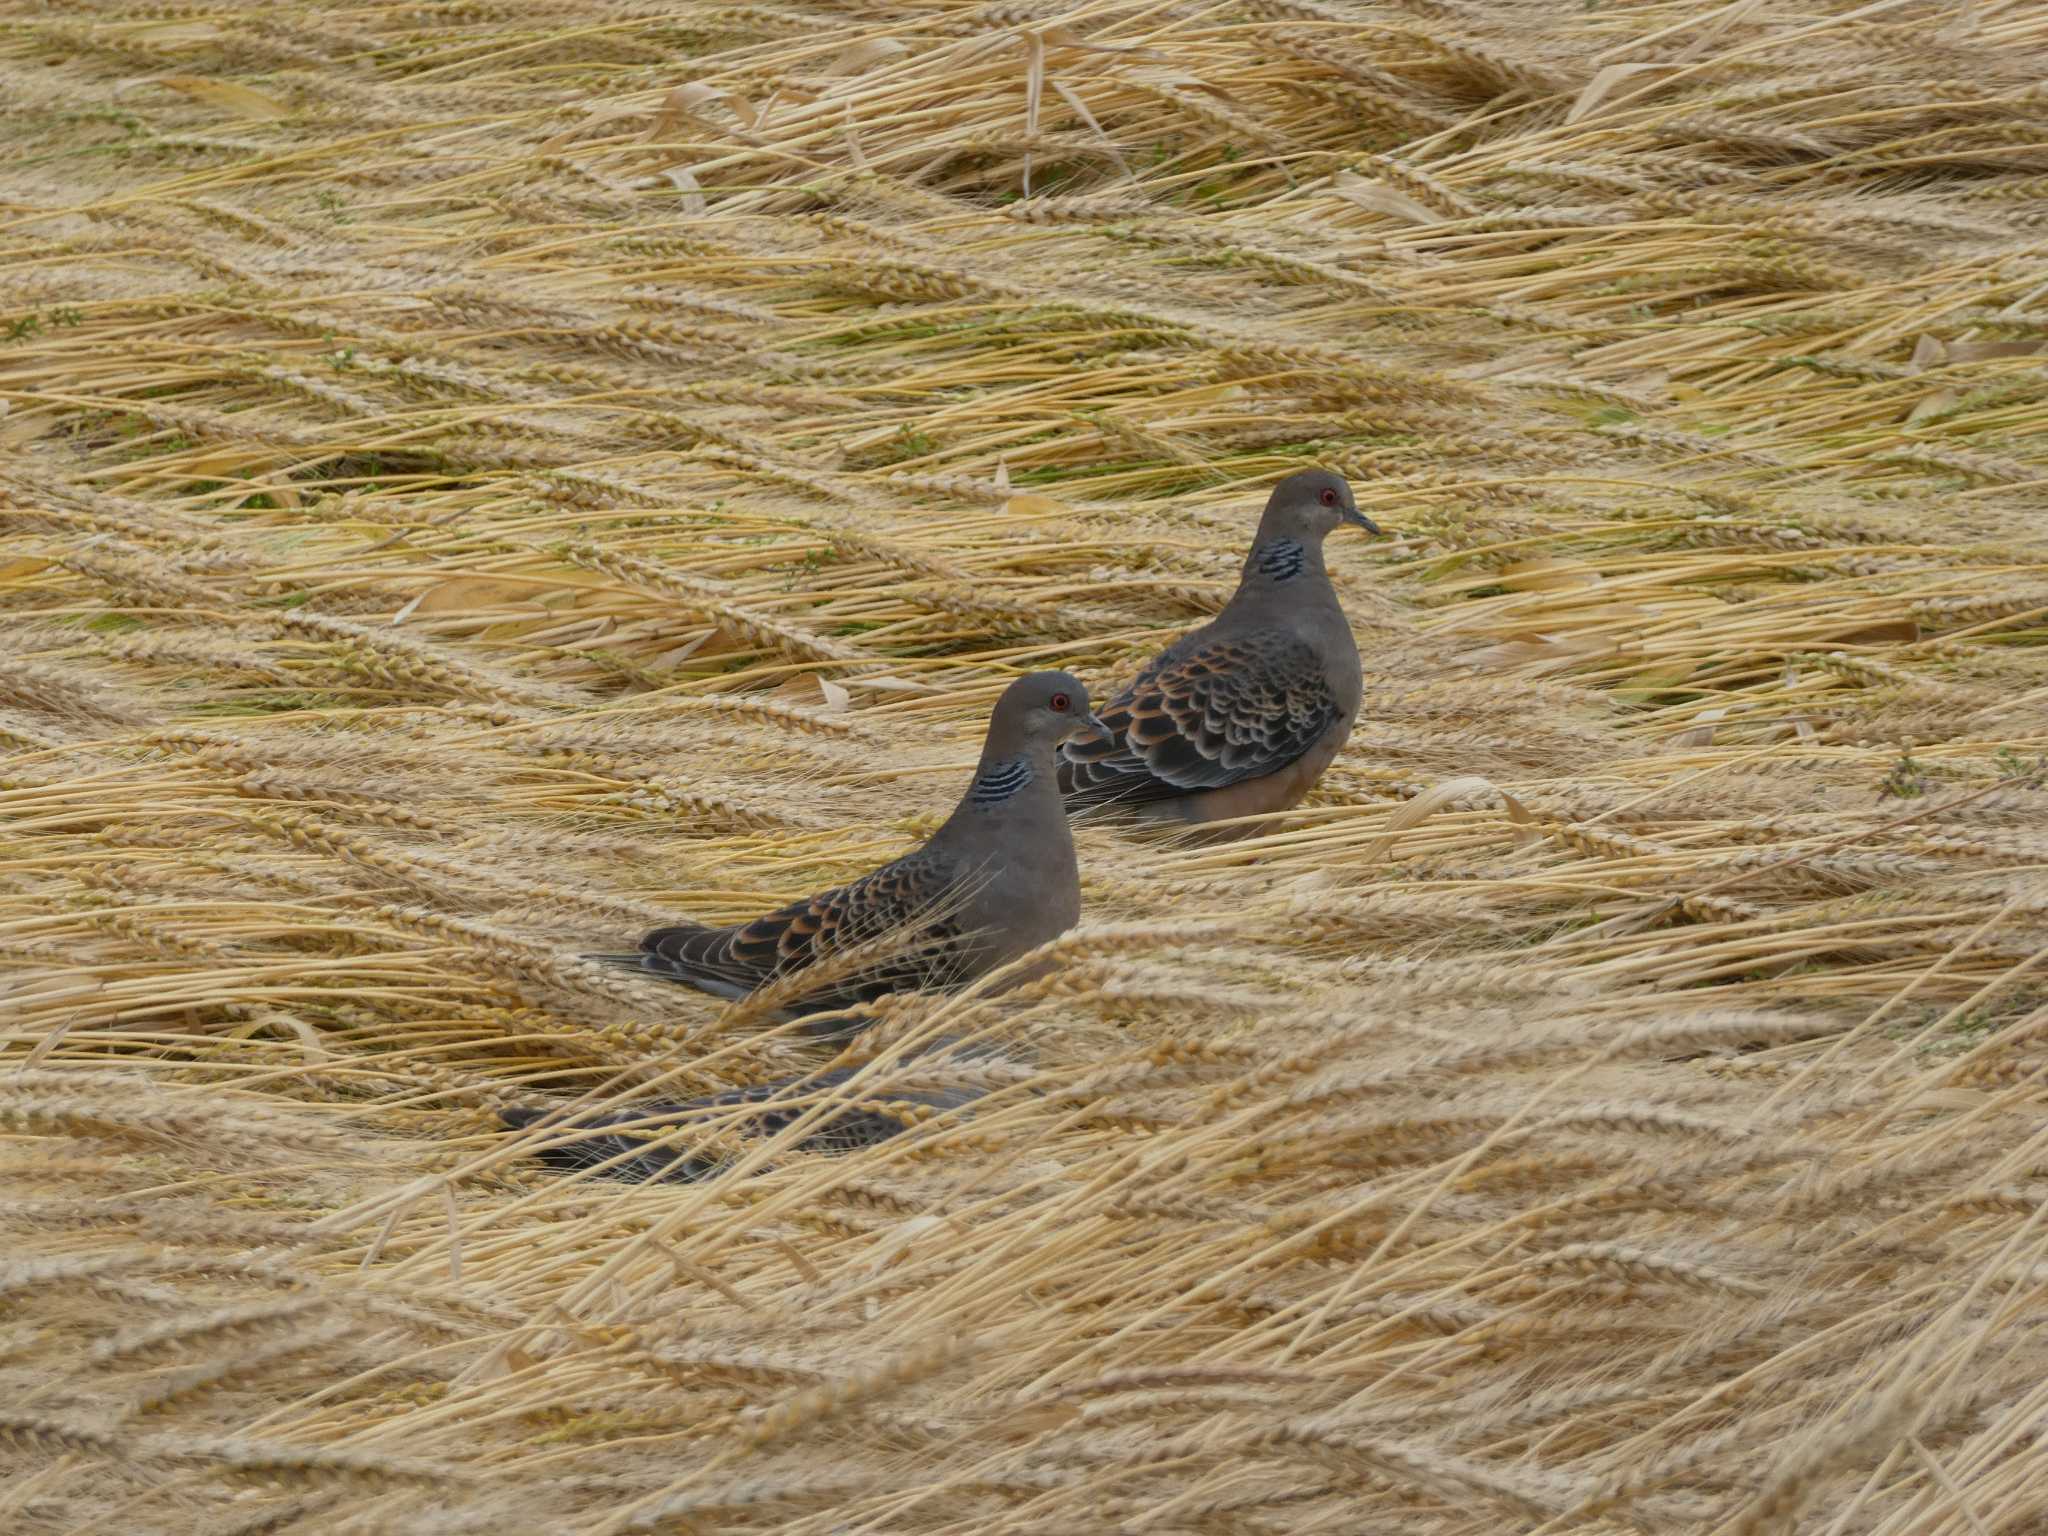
point(998, 781)
point(1282, 559)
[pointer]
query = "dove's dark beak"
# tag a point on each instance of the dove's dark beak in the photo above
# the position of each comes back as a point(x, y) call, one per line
point(1091, 722)
point(1358, 519)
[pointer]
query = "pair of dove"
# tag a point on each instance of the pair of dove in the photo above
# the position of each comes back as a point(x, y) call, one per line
point(1237, 718)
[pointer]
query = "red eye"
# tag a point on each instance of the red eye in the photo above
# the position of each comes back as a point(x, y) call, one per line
point(1061, 702)
point(1329, 498)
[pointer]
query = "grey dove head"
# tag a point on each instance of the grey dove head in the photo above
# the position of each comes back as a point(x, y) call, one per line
point(1309, 505)
point(1041, 709)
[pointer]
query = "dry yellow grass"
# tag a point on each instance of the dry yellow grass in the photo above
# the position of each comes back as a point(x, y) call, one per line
point(450, 449)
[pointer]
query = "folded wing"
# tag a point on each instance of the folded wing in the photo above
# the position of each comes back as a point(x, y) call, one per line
point(1205, 715)
point(910, 897)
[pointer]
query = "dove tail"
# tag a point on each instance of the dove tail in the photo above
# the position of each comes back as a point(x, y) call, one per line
point(625, 962)
point(644, 1165)
point(639, 1162)
point(674, 937)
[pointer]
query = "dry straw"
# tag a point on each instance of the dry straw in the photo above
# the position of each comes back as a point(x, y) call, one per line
point(475, 483)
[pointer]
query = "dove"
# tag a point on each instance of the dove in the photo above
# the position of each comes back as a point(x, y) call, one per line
point(762, 1110)
point(996, 881)
point(1243, 715)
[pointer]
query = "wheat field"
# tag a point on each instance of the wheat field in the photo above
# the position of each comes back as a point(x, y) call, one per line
point(483, 477)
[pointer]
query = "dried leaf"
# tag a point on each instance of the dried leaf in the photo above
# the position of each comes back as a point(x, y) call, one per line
point(1941, 400)
point(1715, 23)
point(1800, 726)
point(1427, 804)
point(882, 683)
point(23, 427)
point(1553, 650)
point(1644, 687)
point(561, 141)
point(1933, 352)
point(685, 181)
point(687, 104)
point(860, 160)
point(1210, 394)
point(1702, 733)
point(284, 1024)
point(1523, 828)
point(1041, 1418)
point(1651, 384)
point(170, 35)
point(1034, 89)
point(676, 655)
point(473, 593)
point(1709, 23)
point(1883, 632)
point(507, 1360)
point(1177, 79)
point(896, 1243)
point(1602, 85)
point(1067, 37)
point(1948, 1098)
point(811, 689)
point(1375, 197)
point(50, 1040)
point(1929, 352)
point(238, 99)
point(1983, 351)
point(1032, 505)
point(689, 100)
point(1081, 111)
point(866, 54)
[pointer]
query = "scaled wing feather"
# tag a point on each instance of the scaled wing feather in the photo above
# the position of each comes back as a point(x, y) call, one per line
point(908, 896)
point(1206, 714)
